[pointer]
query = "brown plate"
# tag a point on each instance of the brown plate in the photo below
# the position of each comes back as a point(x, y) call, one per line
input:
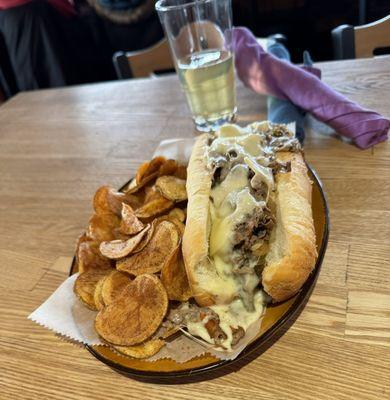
point(275, 322)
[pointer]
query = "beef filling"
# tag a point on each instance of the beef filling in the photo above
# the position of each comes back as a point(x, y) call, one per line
point(186, 313)
point(252, 228)
point(238, 334)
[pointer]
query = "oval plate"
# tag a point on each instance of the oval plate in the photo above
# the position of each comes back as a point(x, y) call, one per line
point(276, 319)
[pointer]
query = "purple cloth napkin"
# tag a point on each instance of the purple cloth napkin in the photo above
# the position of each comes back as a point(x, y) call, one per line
point(267, 74)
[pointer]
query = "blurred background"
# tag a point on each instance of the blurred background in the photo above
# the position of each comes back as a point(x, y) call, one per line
point(57, 43)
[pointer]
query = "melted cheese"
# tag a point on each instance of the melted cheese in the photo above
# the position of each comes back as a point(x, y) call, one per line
point(249, 144)
point(231, 199)
point(229, 130)
point(236, 180)
point(235, 315)
point(264, 173)
point(223, 286)
point(241, 203)
point(199, 329)
point(231, 316)
point(252, 144)
point(232, 202)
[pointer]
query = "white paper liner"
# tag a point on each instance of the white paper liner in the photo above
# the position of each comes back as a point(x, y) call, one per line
point(64, 314)
point(177, 149)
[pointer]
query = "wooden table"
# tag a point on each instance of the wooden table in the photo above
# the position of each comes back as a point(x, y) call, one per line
point(58, 146)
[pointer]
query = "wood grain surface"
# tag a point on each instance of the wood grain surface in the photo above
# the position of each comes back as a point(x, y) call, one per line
point(58, 146)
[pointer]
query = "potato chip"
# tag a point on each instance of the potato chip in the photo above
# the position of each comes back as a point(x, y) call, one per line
point(133, 188)
point(178, 213)
point(143, 350)
point(113, 285)
point(134, 200)
point(103, 227)
point(151, 193)
point(88, 257)
point(172, 188)
point(85, 285)
point(117, 249)
point(107, 200)
point(152, 258)
point(146, 239)
point(179, 225)
point(155, 164)
point(81, 239)
point(136, 314)
point(181, 172)
point(130, 186)
point(174, 277)
point(130, 224)
point(149, 171)
point(97, 296)
point(141, 172)
point(154, 208)
point(169, 167)
point(170, 332)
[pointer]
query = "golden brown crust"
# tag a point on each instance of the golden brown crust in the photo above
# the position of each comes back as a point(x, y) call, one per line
point(195, 239)
point(292, 252)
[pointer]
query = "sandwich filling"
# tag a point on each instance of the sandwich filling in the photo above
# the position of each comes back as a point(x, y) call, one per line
point(243, 165)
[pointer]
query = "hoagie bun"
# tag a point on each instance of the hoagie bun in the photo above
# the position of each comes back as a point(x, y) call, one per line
point(249, 223)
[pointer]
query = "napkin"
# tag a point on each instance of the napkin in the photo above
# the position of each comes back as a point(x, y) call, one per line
point(283, 111)
point(267, 74)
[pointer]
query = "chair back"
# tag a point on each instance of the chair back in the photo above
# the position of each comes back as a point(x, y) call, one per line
point(142, 64)
point(361, 41)
point(371, 37)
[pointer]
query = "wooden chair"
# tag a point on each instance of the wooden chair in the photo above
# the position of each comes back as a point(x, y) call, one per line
point(361, 41)
point(144, 63)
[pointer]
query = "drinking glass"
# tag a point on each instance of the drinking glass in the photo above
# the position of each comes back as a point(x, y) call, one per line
point(199, 37)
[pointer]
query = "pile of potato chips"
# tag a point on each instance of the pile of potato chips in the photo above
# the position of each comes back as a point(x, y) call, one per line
point(130, 261)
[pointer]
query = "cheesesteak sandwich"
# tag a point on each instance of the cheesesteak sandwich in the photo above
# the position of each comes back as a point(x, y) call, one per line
point(249, 233)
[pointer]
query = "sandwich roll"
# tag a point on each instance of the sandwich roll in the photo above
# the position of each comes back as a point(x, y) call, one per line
point(292, 252)
point(249, 229)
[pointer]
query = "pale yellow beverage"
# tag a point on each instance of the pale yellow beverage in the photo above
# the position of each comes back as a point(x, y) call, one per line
point(207, 78)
